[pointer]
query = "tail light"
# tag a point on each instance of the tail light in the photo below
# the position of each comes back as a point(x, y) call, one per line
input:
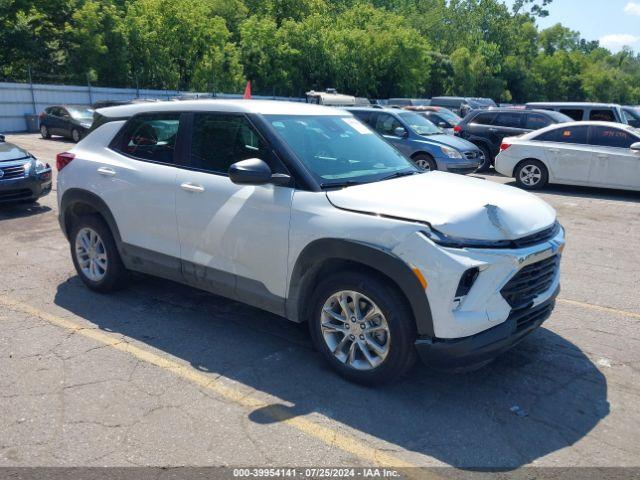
point(504, 146)
point(64, 159)
point(457, 129)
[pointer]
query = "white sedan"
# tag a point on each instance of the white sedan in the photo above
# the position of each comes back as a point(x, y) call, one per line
point(598, 154)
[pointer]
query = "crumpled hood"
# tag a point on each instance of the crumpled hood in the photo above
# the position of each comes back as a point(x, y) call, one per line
point(450, 141)
point(8, 151)
point(455, 205)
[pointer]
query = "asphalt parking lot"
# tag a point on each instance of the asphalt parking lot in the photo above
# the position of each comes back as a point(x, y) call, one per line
point(164, 375)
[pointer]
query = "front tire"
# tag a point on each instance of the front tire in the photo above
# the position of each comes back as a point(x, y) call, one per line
point(362, 326)
point(531, 174)
point(44, 132)
point(425, 162)
point(95, 255)
point(487, 161)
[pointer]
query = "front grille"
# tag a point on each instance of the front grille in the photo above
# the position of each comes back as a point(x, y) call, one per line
point(16, 194)
point(14, 171)
point(530, 282)
point(527, 318)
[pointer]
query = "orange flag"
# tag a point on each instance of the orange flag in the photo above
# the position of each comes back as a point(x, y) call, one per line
point(247, 91)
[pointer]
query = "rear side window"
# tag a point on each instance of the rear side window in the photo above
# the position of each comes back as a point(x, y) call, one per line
point(577, 135)
point(151, 137)
point(219, 140)
point(484, 119)
point(611, 137)
point(536, 121)
point(362, 116)
point(573, 113)
point(602, 116)
point(510, 120)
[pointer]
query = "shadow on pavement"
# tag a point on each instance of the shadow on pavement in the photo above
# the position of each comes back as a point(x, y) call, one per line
point(24, 209)
point(535, 400)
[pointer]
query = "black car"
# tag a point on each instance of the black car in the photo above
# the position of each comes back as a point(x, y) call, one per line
point(71, 122)
point(487, 128)
point(22, 176)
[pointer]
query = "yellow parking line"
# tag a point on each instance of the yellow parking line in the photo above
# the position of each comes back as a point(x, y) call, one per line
point(599, 308)
point(329, 436)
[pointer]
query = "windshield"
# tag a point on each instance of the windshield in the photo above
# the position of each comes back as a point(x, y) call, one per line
point(419, 124)
point(81, 113)
point(338, 148)
point(450, 117)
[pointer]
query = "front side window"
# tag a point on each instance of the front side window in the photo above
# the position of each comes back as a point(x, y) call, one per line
point(535, 121)
point(419, 124)
point(612, 137)
point(151, 137)
point(219, 140)
point(509, 120)
point(602, 116)
point(386, 124)
point(336, 148)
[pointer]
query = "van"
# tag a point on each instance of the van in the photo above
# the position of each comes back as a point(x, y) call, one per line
point(584, 111)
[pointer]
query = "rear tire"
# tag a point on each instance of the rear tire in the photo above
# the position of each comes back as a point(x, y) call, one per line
point(44, 132)
point(531, 174)
point(371, 344)
point(95, 255)
point(75, 135)
point(488, 159)
point(424, 162)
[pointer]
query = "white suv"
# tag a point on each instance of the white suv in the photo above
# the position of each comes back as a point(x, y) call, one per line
point(303, 211)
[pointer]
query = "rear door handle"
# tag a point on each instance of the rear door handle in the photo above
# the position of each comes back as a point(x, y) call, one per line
point(554, 150)
point(493, 130)
point(190, 187)
point(603, 155)
point(107, 172)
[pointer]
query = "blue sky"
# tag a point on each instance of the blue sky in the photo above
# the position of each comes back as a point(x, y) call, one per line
point(614, 22)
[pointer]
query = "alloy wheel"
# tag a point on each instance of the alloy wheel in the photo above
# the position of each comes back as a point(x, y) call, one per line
point(355, 330)
point(91, 254)
point(530, 175)
point(75, 135)
point(423, 164)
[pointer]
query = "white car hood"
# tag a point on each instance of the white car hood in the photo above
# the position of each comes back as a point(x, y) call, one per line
point(456, 205)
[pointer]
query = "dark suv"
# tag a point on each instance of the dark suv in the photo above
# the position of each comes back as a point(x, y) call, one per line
point(72, 122)
point(487, 128)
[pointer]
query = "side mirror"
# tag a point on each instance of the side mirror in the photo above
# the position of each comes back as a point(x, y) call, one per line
point(443, 125)
point(635, 147)
point(400, 132)
point(255, 172)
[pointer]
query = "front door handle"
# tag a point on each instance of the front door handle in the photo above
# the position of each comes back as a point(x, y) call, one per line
point(603, 155)
point(190, 187)
point(554, 150)
point(493, 130)
point(107, 172)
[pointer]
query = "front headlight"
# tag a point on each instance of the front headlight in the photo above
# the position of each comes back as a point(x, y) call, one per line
point(450, 152)
point(41, 166)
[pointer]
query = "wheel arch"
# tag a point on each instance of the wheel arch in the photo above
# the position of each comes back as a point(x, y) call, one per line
point(422, 152)
point(76, 202)
point(329, 254)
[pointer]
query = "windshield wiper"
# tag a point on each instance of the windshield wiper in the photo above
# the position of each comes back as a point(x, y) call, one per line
point(405, 173)
point(346, 183)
